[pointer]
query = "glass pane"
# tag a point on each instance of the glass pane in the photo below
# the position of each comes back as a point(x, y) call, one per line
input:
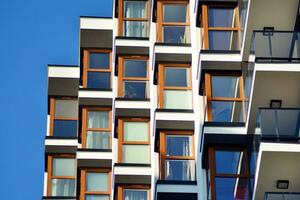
point(225, 86)
point(98, 119)
point(63, 167)
point(99, 60)
point(135, 68)
point(96, 197)
point(178, 99)
point(227, 111)
point(174, 13)
point(96, 182)
point(97, 140)
point(221, 17)
point(134, 194)
point(232, 188)
point(66, 108)
point(136, 131)
point(179, 145)
point(288, 123)
point(180, 170)
point(63, 187)
point(65, 128)
point(229, 162)
point(136, 154)
point(135, 28)
point(176, 34)
point(175, 76)
point(223, 40)
point(98, 80)
point(134, 9)
point(135, 89)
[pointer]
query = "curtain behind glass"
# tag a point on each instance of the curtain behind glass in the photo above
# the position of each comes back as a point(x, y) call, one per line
point(135, 9)
point(179, 145)
point(98, 119)
point(98, 140)
point(135, 194)
point(62, 187)
point(180, 170)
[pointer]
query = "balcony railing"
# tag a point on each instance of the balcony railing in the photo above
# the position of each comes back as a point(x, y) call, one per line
point(276, 46)
point(282, 196)
point(280, 124)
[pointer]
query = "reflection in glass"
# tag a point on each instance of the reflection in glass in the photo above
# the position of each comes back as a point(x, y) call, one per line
point(96, 197)
point(66, 108)
point(176, 34)
point(223, 40)
point(134, 194)
point(98, 80)
point(63, 187)
point(97, 140)
point(225, 86)
point(63, 167)
point(134, 9)
point(175, 76)
point(99, 60)
point(179, 145)
point(65, 128)
point(135, 89)
point(229, 162)
point(135, 68)
point(232, 188)
point(96, 182)
point(136, 131)
point(174, 13)
point(178, 99)
point(227, 111)
point(135, 29)
point(221, 17)
point(136, 154)
point(180, 170)
point(98, 119)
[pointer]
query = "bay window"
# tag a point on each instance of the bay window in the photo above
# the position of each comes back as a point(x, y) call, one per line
point(133, 77)
point(96, 133)
point(133, 18)
point(177, 156)
point(134, 192)
point(61, 175)
point(134, 141)
point(175, 86)
point(63, 117)
point(97, 69)
point(173, 21)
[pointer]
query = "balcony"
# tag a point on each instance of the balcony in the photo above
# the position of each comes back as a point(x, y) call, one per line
point(282, 195)
point(275, 46)
point(282, 124)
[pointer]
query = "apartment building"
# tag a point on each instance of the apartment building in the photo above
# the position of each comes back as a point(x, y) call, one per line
point(178, 100)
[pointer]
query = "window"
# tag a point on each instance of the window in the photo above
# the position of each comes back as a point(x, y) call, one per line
point(97, 69)
point(133, 77)
point(229, 173)
point(63, 117)
point(221, 26)
point(134, 192)
point(96, 128)
point(95, 184)
point(61, 175)
point(133, 18)
point(173, 22)
point(134, 141)
point(175, 86)
point(225, 98)
point(177, 156)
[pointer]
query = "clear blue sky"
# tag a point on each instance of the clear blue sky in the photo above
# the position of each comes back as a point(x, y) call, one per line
point(33, 33)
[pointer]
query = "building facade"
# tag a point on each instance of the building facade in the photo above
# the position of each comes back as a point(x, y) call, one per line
point(178, 100)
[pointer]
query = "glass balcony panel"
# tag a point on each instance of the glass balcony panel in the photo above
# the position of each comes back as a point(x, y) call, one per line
point(174, 13)
point(179, 145)
point(98, 80)
point(282, 196)
point(135, 68)
point(288, 123)
point(136, 154)
point(97, 140)
point(99, 60)
point(135, 194)
point(177, 77)
point(65, 128)
point(180, 170)
point(228, 111)
point(135, 9)
point(178, 99)
point(96, 197)
point(223, 40)
point(135, 28)
point(221, 17)
point(135, 89)
point(176, 34)
point(62, 187)
point(232, 188)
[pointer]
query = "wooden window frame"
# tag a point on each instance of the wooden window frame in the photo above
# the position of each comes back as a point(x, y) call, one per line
point(210, 98)
point(160, 15)
point(205, 21)
point(121, 18)
point(85, 128)
point(161, 81)
point(121, 189)
point(86, 69)
point(213, 171)
point(121, 141)
point(50, 170)
point(83, 182)
point(162, 149)
point(122, 78)
point(52, 113)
